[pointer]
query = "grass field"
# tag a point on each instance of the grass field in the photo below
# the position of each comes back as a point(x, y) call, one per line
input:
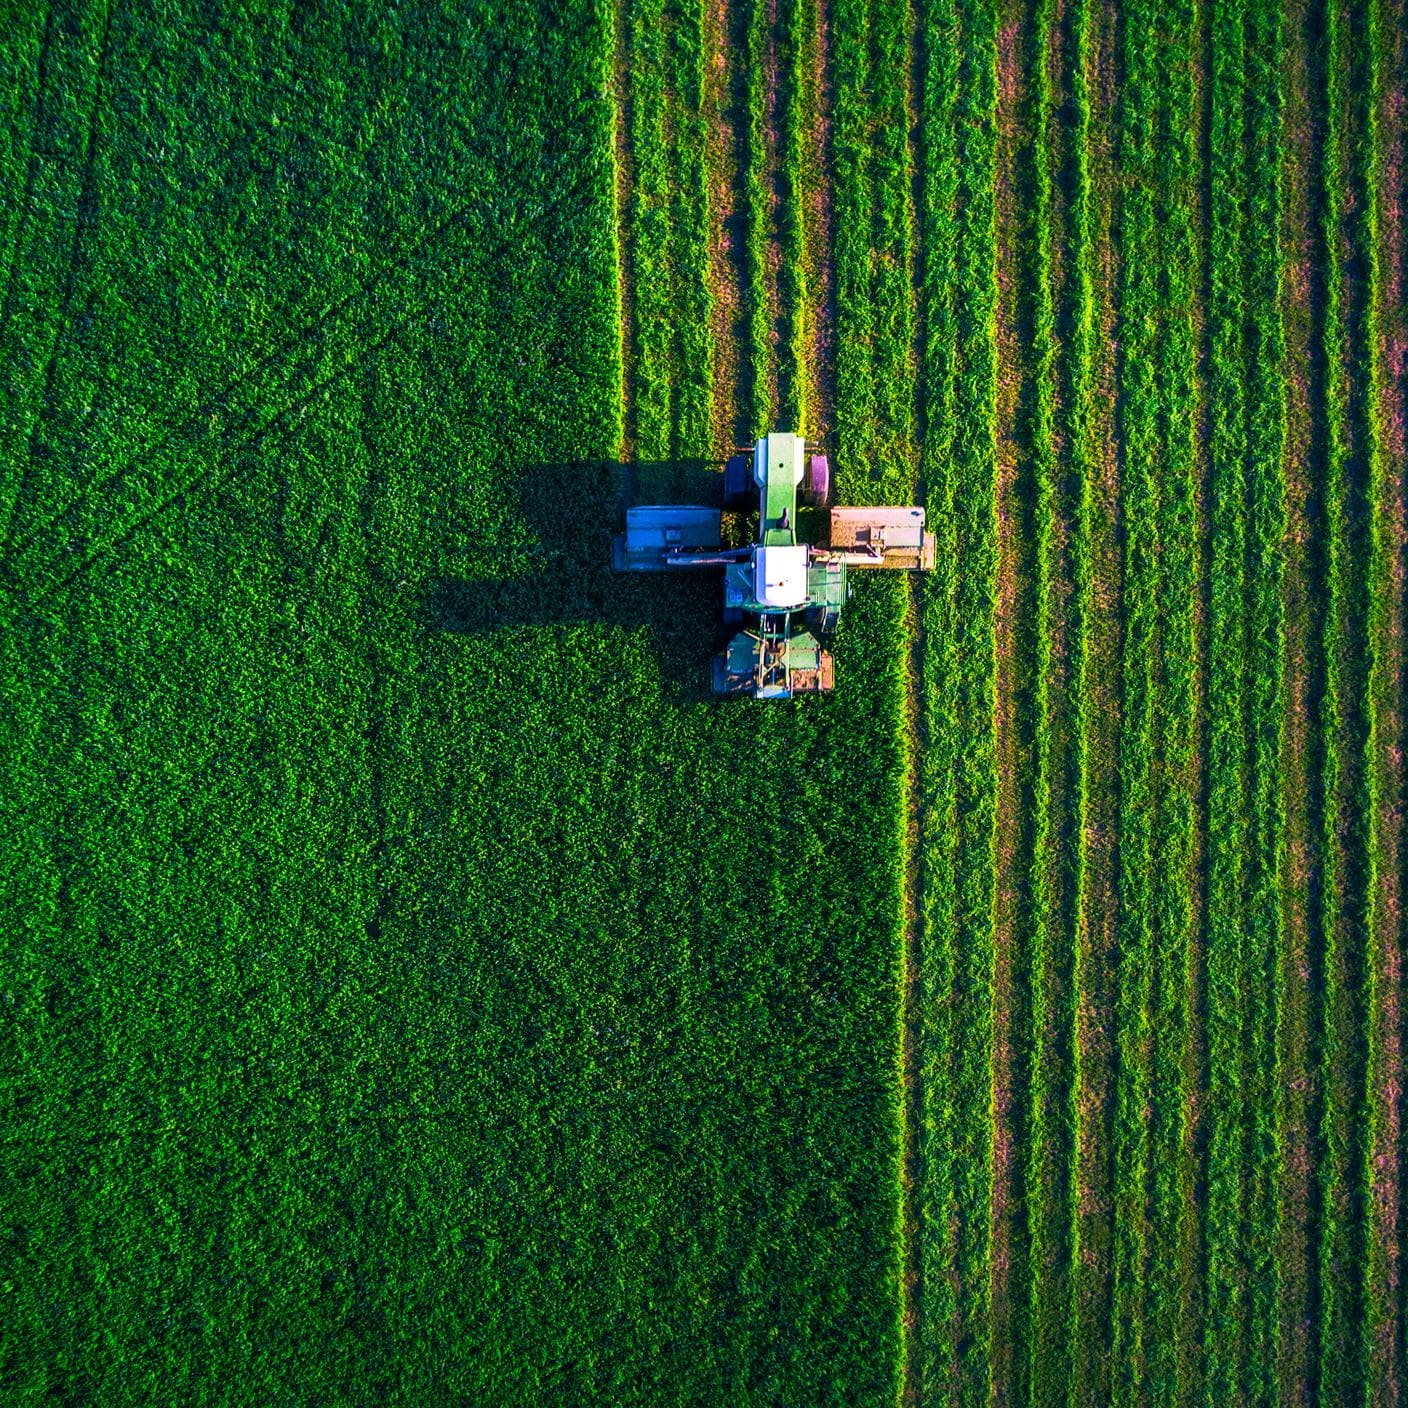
point(418, 990)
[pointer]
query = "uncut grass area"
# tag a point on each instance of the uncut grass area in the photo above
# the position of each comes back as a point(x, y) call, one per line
point(415, 989)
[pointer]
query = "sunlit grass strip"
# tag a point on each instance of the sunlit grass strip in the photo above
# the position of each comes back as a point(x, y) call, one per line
point(1377, 1310)
point(656, 316)
point(960, 773)
point(796, 117)
point(1171, 1192)
point(1332, 1165)
point(1266, 520)
point(694, 371)
point(975, 507)
point(941, 732)
point(853, 219)
point(892, 251)
point(757, 225)
point(1037, 1344)
point(1140, 392)
point(1082, 462)
point(1227, 732)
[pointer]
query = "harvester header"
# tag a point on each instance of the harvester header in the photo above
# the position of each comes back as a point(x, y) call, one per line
point(784, 592)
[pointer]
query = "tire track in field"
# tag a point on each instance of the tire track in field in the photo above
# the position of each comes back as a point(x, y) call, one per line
point(912, 1388)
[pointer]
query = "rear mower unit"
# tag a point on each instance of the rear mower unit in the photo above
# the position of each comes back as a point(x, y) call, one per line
point(784, 593)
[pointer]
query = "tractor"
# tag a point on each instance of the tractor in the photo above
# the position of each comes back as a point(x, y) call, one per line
point(783, 592)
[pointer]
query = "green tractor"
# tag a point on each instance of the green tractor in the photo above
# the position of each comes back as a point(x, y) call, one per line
point(784, 593)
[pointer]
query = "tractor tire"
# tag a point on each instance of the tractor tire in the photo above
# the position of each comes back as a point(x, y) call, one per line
point(739, 492)
point(817, 490)
point(733, 616)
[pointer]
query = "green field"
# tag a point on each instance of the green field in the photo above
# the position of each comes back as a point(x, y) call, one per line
point(417, 989)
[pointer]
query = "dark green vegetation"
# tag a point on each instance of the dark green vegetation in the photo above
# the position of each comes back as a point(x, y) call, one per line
point(414, 991)
point(418, 990)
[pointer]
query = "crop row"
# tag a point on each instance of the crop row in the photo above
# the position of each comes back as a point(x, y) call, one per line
point(1139, 389)
point(1172, 1183)
point(1333, 1160)
point(1371, 613)
point(1038, 1349)
point(757, 221)
point(694, 304)
point(1076, 940)
point(959, 779)
point(1265, 528)
point(796, 99)
point(650, 225)
point(1228, 815)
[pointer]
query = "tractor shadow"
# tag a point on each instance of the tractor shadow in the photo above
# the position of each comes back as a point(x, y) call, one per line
point(572, 512)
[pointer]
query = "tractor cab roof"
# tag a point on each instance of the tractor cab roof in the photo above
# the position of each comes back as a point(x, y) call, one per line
point(780, 577)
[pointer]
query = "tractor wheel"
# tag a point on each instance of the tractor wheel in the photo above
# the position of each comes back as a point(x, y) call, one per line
point(739, 492)
point(733, 615)
point(818, 486)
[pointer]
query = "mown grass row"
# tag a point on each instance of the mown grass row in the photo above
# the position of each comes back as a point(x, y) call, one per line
point(1265, 529)
point(796, 116)
point(693, 215)
point(1373, 615)
point(650, 222)
point(856, 405)
point(1140, 392)
point(1228, 815)
point(940, 291)
point(1171, 1198)
point(892, 251)
point(1333, 1334)
point(958, 376)
point(1038, 1348)
point(673, 354)
point(1077, 346)
point(757, 214)
point(876, 391)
